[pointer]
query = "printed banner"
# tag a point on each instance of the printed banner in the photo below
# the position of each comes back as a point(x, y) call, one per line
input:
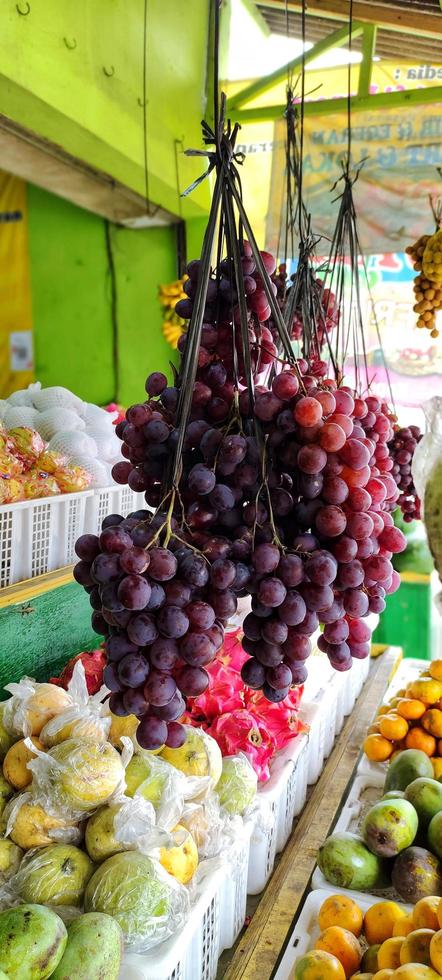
point(16, 349)
point(403, 147)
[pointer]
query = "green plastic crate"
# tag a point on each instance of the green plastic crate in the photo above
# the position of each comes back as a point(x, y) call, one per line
point(406, 621)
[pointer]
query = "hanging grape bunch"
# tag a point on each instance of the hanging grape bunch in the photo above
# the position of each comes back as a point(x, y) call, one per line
point(402, 449)
point(427, 286)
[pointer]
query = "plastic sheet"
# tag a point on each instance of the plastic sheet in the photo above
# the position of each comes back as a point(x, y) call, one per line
point(87, 716)
point(163, 786)
point(32, 705)
point(237, 787)
point(427, 476)
point(78, 776)
point(29, 825)
point(147, 903)
point(53, 875)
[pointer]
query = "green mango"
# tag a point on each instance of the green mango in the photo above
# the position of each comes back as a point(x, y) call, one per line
point(426, 797)
point(389, 827)
point(346, 862)
point(32, 942)
point(94, 949)
point(406, 767)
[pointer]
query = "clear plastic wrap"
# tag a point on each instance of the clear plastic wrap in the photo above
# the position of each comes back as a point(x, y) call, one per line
point(209, 825)
point(97, 469)
point(53, 875)
point(165, 787)
point(10, 858)
point(87, 716)
point(32, 705)
point(78, 776)
point(199, 759)
point(427, 476)
point(147, 903)
point(237, 787)
point(128, 825)
point(28, 824)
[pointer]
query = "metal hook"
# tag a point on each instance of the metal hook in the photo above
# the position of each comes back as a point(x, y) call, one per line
point(71, 45)
point(23, 13)
point(142, 102)
point(109, 72)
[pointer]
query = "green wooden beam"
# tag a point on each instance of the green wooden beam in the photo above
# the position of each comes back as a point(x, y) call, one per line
point(366, 66)
point(384, 100)
point(263, 85)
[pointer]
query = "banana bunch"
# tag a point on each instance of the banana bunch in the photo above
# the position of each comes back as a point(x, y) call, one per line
point(433, 514)
point(173, 325)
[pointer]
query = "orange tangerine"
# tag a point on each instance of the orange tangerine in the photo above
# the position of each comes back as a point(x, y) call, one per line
point(410, 709)
point(340, 910)
point(388, 955)
point(404, 925)
point(437, 764)
point(425, 689)
point(416, 947)
point(417, 738)
point(424, 914)
point(379, 921)
point(435, 670)
point(393, 727)
point(432, 722)
point(342, 944)
point(318, 965)
point(377, 748)
point(436, 951)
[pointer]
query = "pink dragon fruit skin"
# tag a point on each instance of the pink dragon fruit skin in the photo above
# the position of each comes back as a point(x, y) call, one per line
point(222, 695)
point(241, 731)
point(232, 654)
point(94, 662)
point(281, 720)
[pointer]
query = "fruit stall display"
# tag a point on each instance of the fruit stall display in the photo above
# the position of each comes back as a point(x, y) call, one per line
point(384, 918)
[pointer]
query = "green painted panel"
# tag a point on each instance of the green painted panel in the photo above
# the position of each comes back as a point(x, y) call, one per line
point(70, 297)
point(406, 621)
point(40, 642)
point(73, 73)
point(143, 260)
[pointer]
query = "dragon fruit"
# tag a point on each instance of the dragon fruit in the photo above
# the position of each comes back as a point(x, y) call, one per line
point(241, 731)
point(94, 662)
point(223, 694)
point(281, 720)
point(232, 654)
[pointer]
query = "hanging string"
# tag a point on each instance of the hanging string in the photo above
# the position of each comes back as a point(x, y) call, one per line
point(301, 138)
point(146, 169)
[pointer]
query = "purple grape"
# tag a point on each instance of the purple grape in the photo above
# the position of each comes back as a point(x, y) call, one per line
point(192, 681)
point(116, 705)
point(200, 615)
point(157, 597)
point(292, 611)
point(118, 647)
point(172, 710)
point(151, 732)
point(134, 592)
point(196, 649)
point(135, 702)
point(87, 547)
point(134, 561)
point(164, 653)
point(111, 679)
point(274, 631)
point(160, 688)
point(279, 677)
point(115, 540)
point(176, 735)
point(275, 696)
point(271, 592)
point(268, 654)
point(105, 568)
point(253, 674)
point(82, 574)
point(133, 670)
point(142, 629)
point(177, 593)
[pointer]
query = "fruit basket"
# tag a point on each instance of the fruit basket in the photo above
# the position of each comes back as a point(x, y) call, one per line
point(278, 802)
point(37, 536)
point(306, 930)
point(192, 954)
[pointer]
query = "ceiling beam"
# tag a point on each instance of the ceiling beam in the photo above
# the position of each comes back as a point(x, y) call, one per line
point(368, 53)
point(327, 107)
point(392, 16)
point(263, 85)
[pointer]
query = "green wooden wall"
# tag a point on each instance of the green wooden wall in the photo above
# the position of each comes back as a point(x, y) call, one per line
point(72, 299)
point(72, 72)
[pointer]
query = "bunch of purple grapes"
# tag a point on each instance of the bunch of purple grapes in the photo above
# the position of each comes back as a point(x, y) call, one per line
point(152, 605)
point(221, 330)
point(401, 449)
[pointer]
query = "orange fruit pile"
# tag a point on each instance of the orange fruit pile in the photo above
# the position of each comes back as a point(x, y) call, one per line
point(411, 720)
point(387, 943)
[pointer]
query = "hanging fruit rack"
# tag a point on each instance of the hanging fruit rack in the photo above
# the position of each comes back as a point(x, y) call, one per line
point(276, 490)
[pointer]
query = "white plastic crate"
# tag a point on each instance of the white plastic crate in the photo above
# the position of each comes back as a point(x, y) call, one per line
point(324, 724)
point(38, 536)
point(408, 670)
point(192, 954)
point(233, 888)
point(306, 930)
point(278, 802)
point(115, 499)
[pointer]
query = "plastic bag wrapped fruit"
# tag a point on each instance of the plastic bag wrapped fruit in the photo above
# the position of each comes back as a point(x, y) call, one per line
point(427, 476)
point(237, 786)
point(29, 825)
point(11, 490)
point(9, 465)
point(87, 717)
point(37, 484)
point(199, 758)
point(147, 903)
point(125, 826)
point(180, 857)
point(51, 461)
point(77, 776)
point(32, 705)
point(72, 479)
point(158, 782)
point(53, 875)
point(27, 444)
